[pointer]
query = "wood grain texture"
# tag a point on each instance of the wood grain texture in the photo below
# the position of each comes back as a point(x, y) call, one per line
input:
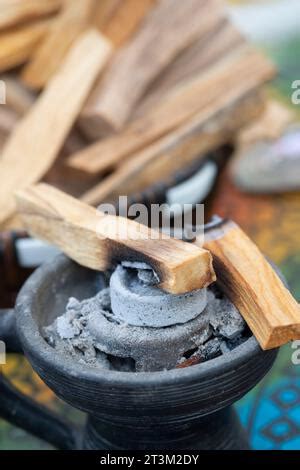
point(104, 11)
point(18, 43)
point(8, 120)
point(250, 282)
point(221, 115)
point(170, 27)
point(14, 12)
point(126, 19)
point(242, 70)
point(270, 126)
point(158, 162)
point(18, 97)
point(220, 40)
point(46, 59)
point(98, 241)
point(13, 223)
point(36, 141)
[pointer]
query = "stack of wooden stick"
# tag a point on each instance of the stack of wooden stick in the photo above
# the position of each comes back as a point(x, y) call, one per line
point(108, 98)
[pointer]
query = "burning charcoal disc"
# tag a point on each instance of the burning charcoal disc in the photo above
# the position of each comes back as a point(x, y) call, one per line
point(138, 304)
point(270, 167)
point(150, 348)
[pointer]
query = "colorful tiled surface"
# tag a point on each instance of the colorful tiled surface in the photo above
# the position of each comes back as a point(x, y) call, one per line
point(271, 413)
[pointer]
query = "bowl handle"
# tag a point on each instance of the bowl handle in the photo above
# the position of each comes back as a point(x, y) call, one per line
point(22, 411)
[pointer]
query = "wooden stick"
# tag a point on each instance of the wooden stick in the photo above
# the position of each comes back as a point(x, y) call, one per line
point(104, 12)
point(171, 27)
point(270, 126)
point(18, 102)
point(18, 97)
point(13, 12)
point(47, 58)
point(35, 143)
point(98, 241)
point(8, 120)
point(173, 110)
point(18, 43)
point(126, 20)
point(242, 70)
point(205, 132)
point(221, 40)
point(13, 223)
point(249, 281)
point(74, 142)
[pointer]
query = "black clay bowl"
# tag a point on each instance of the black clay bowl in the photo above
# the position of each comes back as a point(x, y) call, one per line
point(181, 394)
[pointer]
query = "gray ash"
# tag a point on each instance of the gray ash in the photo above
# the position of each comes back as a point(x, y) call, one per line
point(225, 318)
point(91, 334)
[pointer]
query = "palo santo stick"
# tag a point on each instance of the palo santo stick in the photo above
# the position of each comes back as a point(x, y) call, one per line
point(242, 71)
point(270, 126)
point(74, 142)
point(126, 19)
point(97, 241)
point(18, 101)
point(252, 285)
point(36, 141)
point(17, 44)
point(47, 58)
point(170, 27)
point(205, 132)
point(221, 40)
point(13, 223)
point(104, 11)
point(13, 12)
point(8, 120)
point(19, 98)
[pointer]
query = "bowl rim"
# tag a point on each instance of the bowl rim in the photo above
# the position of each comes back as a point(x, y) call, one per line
point(40, 352)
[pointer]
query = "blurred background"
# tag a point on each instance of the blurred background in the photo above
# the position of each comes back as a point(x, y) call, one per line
point(271, 412)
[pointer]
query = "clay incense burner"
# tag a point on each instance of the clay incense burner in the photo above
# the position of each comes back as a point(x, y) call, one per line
point(184, 408)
